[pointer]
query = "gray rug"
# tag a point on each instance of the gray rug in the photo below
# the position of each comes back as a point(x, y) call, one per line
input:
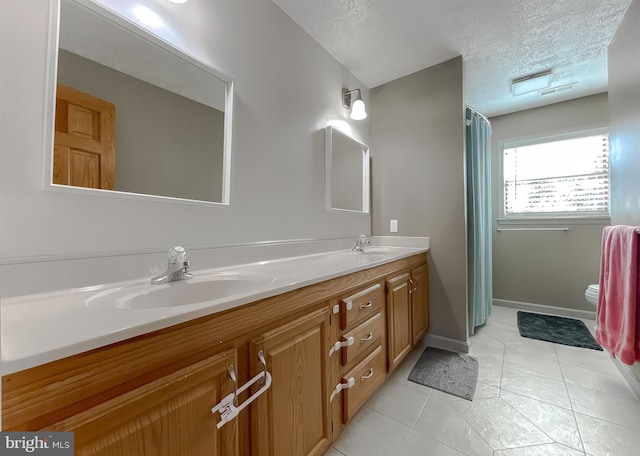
point(451, 372)
point(559, 330)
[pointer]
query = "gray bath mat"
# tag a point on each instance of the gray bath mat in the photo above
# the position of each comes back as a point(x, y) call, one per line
point(559, 330)
point(451, 372)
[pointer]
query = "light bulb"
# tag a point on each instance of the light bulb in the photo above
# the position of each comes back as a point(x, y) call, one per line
point(358, 111)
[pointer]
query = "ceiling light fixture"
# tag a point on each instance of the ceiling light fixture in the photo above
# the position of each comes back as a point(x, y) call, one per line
point(354, 103)
point(179, 1)
point(531, 83)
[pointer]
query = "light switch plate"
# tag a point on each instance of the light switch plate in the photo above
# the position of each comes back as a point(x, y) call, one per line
point(393, 226)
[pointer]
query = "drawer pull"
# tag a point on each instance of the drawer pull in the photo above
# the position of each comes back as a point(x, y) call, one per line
point(369, 375)
point(365, 306)
point(368, 338)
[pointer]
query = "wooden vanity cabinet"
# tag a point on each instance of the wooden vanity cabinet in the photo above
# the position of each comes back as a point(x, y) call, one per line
point(399, 329)
point(292, 417)
point(419, 302)
point(166, 417)
point(407, 312)
point(359, 362)
point(152, 394)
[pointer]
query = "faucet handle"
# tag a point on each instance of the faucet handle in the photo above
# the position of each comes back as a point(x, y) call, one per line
point(176, 254)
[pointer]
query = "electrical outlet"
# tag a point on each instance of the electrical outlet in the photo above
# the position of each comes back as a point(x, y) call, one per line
point(393, 226)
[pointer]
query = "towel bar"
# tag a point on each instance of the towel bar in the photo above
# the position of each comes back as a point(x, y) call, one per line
point(532, 229)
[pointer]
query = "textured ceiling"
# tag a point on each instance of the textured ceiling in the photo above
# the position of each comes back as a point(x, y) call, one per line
point(500, 40)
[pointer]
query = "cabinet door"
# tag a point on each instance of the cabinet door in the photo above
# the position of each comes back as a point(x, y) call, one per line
point(292, 417)
point(420, 302)
point(170, 416)
point(398, 319)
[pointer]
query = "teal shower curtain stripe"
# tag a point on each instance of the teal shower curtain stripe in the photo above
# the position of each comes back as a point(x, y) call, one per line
point(478, 156)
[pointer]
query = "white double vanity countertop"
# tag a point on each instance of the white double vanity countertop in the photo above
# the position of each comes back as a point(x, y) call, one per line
point(44, 327)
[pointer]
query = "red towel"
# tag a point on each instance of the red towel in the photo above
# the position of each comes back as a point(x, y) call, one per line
point(618, 318)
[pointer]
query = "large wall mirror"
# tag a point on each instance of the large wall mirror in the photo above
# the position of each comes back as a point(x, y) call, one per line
point(346, 172)
point(134, 115)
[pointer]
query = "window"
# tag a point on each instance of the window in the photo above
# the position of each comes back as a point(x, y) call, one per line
point(557, 177)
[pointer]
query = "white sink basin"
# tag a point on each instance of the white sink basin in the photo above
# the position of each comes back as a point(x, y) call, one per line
point(199, 289)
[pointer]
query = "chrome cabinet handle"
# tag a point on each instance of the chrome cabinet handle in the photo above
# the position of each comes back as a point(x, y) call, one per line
point(369, 375)
point(368, 338)
point(366, 306)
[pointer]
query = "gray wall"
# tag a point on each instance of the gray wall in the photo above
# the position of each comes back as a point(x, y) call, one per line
point(166, 144)
point(417, 150)
point(287, 89)
point(624, 111)
point(550, 268)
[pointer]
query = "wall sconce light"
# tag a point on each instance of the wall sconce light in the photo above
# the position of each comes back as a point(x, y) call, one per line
point(354, 103)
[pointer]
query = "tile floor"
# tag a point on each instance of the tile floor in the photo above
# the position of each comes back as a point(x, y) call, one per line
point(533, 399)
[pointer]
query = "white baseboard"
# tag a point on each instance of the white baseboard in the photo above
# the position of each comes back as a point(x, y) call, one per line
point(446, 343)
point(629, 376)
point(542, 308)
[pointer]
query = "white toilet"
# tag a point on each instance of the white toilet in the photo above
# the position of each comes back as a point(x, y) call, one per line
point(591, 294)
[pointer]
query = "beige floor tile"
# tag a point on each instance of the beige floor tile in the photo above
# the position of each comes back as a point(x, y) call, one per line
point(484, 391)
point(421, 445)
point(333, 452)
point(556, 422)
point(591, 359)
point(372, 434)
point(536, 387)
point(604, 382)
point(551, 449)
point(398, 402)
point(533, 365)
point(609, 407)
point(529, 347)
point(441, 421)
point(500, 425)
point(602, 438)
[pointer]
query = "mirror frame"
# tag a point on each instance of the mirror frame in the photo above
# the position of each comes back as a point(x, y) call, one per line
point(152, 39)
point(329, 131)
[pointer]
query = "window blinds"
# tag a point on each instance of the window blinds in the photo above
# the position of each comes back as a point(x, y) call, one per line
point(568, 177)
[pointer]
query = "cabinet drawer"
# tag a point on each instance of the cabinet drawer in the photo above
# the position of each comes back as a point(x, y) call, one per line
point(365, 337)
point(361, 306)
point(367, 376)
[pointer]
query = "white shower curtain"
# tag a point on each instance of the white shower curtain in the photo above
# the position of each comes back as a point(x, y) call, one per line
point(478, 157)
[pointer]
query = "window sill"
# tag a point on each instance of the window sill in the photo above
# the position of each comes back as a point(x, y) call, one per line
point(554, 221)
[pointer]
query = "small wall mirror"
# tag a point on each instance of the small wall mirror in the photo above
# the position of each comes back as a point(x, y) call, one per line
point(346, 172)
point(135, 115)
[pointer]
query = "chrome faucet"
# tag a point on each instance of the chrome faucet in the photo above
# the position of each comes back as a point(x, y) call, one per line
point(177, 269)
point(361, 241)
